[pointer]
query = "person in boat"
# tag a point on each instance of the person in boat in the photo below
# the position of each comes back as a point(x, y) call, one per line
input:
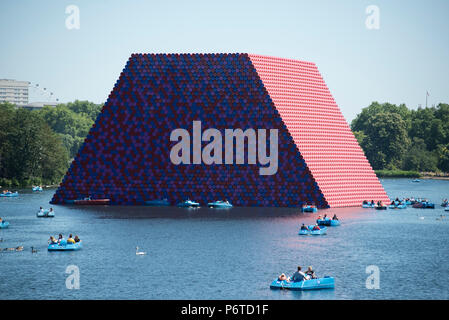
point(51, 210)
point(303, 227)
point(393, 202)
point(282, 277)
point(372, 202)
point(334, 217)
point(311, 273)
point(325, 217)
point(52, 240)
point(60, 238)
point(70, 239)
point(1, 220)
point(316, 227)
point(365, 202)
point(298, 276)
point(77, 239)
point(313, 205)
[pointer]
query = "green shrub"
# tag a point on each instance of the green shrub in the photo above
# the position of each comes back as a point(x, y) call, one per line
point(397, 174)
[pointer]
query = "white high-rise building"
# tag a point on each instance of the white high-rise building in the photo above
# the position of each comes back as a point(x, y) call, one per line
point(14, 91)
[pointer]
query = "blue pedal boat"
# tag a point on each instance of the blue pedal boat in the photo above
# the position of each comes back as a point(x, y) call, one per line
point(157, 203)
point(45, 214)
point(312, 284)
point(64, 246)
point(9, 194)
point(328, 222)
point(4, 224)
point(397, 206)
point(37, 188)
point(309, 209)
point(310, 231)
point(368, 205)
point(188, 204)
point(219, 204)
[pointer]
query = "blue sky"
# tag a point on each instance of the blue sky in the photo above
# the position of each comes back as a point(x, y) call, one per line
point(397, 63)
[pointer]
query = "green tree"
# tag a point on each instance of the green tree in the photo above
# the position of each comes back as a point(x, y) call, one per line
point(361, 121)
point(72, 122)
point(30, 150)
point(443, 157)
point(418, 158)
point(386, 140)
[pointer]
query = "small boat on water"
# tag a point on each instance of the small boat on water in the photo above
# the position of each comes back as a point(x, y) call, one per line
point(157, 203)
point(87, 201)
point(309, 209)
point(380, 207)
point(416, 180)
point(446, 209)
point(4, 224)
point(397, 206)
point(328, 222)
point(424, 205)
point(312, 284)
point(368, 205)
point(220, 204)
point(64, 246)
point(9, 194)
point(45, 214)
point(310, 231)
point(37, 188)
point(188, 204)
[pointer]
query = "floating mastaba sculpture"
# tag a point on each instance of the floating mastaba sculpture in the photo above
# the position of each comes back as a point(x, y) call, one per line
point(126, 156)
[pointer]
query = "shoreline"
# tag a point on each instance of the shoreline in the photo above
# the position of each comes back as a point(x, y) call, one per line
point(411, 174)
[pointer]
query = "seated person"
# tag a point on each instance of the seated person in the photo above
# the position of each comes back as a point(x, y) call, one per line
point(311, 273)
point(282, 277)
point(52, 240)
point(303, 227)
point(1, 220)
point(334, 217)
point(393, 202)
point(60, 238)
point(372, 202)
point(70, 239)
point(77, 239)
point(325, 217)
point(298, 276)
point(316, 227)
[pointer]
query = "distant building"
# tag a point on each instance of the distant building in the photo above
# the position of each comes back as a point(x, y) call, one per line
point(13, 91)
point(39, 105)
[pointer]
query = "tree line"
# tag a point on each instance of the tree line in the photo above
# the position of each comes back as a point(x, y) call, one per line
point(394, 137)
point(36, 146)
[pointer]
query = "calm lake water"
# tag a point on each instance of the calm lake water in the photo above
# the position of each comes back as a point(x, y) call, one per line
point(225, 254)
